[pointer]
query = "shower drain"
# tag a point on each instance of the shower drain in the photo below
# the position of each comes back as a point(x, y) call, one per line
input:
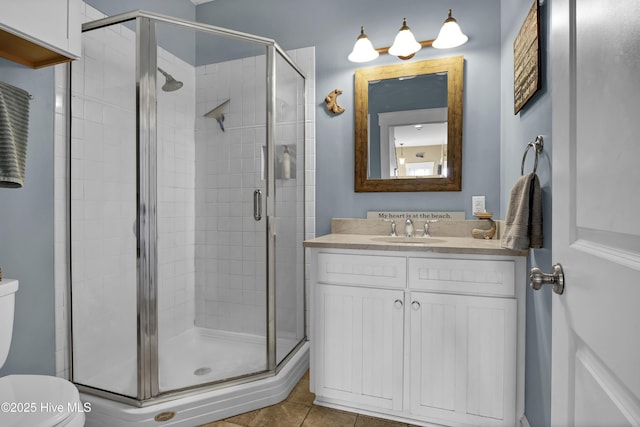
point(202, 371)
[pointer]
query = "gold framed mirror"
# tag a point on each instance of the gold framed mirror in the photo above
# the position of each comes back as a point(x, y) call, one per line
point(408, 126)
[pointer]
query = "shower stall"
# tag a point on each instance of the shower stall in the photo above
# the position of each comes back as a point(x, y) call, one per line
point(187, 209)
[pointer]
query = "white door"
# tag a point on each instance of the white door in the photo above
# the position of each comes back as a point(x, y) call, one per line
point(596, 212)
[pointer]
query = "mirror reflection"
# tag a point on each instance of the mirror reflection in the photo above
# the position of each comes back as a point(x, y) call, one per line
point(409, 126)
point(411, 111)
point(419, 150)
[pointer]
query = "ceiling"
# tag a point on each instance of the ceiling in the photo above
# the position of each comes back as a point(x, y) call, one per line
point(420, 135)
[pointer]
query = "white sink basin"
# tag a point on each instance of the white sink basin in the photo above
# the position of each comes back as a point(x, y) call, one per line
point(411, 240)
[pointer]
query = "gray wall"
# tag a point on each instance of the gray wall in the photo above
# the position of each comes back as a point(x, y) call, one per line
point(516, 130)
point(26, 230)
point(332, 26)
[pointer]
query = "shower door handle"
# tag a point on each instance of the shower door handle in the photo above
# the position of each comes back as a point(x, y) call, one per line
point(257, 205)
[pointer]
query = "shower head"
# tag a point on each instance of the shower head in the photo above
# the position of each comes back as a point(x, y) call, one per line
point(170, 84)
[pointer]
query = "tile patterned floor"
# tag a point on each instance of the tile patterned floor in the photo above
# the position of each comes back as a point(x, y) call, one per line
point(298, 410)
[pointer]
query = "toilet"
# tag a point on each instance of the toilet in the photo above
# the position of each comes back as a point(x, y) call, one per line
point(32, 400)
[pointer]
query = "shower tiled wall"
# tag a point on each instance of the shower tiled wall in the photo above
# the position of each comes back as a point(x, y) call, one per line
point(103, 207)
point(230, 245)
point(176, 199)
point(61, 227)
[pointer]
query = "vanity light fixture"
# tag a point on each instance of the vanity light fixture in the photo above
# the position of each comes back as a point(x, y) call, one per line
point(363, 50)
point(405, 45)
point(450, 34)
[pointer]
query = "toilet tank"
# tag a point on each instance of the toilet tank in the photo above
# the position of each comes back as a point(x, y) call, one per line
point(8, 288)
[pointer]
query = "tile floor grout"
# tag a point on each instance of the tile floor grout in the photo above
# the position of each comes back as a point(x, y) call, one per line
point(298, 410)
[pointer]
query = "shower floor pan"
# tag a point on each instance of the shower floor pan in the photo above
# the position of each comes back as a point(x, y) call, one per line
point(196, 356)
point(199, 356)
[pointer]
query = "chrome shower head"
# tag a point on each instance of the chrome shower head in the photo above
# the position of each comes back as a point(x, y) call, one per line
point(170, 84)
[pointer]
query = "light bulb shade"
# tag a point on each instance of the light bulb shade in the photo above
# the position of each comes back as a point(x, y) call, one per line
point(405, 43)
point(450, 35)
point(363, 50)
point(401, 158)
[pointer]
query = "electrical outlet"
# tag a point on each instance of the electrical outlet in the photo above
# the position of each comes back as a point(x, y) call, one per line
point(477, 204)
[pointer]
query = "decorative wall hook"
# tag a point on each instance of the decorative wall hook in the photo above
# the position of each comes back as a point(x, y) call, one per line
point(331, 102)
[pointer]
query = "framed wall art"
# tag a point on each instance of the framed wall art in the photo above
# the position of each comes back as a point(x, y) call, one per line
point(526, 59)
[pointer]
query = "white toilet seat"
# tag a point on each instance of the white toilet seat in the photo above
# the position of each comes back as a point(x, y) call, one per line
point(40, 401)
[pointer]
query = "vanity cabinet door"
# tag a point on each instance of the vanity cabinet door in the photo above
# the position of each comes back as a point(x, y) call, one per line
point(462, 359)
point(359, 346)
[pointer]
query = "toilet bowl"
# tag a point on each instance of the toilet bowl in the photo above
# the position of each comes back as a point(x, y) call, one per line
point(33, 400)
point(40, 401)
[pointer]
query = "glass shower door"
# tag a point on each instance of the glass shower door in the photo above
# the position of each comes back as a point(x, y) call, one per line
point(103, 212)
point(289, 207)
point(187, 207)
point(211, 177)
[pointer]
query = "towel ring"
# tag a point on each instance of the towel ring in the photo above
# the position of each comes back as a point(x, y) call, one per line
point(537, 145)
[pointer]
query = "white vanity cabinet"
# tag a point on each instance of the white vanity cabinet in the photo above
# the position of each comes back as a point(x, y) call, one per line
point(463, 329)
point(462, 359)
point(39, 33)
point(360, 345)
point(425, 338)
point(360, 328)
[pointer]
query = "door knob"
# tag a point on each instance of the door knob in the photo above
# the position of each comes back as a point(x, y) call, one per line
point(538, 278)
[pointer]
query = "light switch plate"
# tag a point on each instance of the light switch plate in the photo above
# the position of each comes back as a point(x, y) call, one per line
point(478, 204)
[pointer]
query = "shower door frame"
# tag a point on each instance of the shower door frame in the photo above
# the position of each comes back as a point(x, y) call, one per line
point(148, 392)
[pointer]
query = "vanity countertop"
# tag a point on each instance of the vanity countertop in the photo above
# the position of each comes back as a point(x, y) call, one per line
point(439, 244)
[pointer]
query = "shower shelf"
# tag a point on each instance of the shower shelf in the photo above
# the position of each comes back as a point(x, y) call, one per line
point(280, 169)
point(217, 112)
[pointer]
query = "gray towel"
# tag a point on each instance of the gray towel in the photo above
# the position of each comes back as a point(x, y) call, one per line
point(523, 224)
point(14, 128)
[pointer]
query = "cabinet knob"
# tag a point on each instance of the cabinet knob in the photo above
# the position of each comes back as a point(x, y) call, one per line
point(415, 305)
point(398, 303)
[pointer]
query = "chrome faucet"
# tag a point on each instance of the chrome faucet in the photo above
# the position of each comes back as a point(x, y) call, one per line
point(426, 227)
point(408, 228)
point(393, 229)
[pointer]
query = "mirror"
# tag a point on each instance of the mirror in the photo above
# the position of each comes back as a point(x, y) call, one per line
point(408, 126)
